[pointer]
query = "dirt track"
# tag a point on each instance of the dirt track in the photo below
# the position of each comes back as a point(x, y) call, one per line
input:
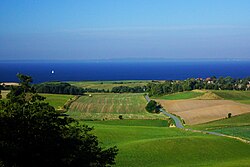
point(201, 111)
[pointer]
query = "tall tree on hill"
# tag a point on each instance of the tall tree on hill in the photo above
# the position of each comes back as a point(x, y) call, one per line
point(33, 133)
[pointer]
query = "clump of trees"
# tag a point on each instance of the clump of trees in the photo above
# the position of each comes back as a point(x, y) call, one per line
point(33, 133)
point(127, 89)
point(64, 88)
point(153, 107)
point(213, 83)
point(58, 88)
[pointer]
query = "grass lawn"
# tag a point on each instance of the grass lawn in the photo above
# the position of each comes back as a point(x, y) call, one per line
point(236, 126)
point(57, 100)
point(110, 106)
point(108, 85)
point(180, 95)
point(162, 146)
point(238, 96)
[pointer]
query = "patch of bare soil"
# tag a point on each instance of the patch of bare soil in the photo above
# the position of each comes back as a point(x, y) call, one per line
point(201, 111)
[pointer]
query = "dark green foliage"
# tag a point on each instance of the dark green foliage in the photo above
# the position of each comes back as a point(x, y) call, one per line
point(120, 117)
point(172, 86)
point(127, 89)
point(153, 107)
point(33, 133)
point(58, 88)
point(229, 115)
point(64, 88)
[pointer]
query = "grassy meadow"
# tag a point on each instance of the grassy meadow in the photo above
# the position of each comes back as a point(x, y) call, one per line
point(238, 126)
point(108, 85)
point(56, 100)
point(180, 95)
point(162, 146)
point(238, 96)
point(144, 139)
point(110, 106)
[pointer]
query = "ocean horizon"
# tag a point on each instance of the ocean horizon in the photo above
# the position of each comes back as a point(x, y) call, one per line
point(44, 71)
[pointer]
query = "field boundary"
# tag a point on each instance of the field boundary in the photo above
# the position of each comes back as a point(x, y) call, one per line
point(179, 125)
point(69, 102)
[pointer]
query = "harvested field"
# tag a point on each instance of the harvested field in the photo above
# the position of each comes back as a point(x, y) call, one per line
point(110, 106)
point(201, 111)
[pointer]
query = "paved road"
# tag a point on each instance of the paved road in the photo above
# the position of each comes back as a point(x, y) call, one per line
point(177, 121)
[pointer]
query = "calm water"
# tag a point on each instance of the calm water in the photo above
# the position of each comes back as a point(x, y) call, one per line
point(79, 71)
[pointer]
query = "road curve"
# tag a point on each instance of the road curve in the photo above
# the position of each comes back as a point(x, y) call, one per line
point(177, 121)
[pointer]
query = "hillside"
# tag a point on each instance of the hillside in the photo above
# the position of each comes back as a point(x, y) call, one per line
point(161, 146)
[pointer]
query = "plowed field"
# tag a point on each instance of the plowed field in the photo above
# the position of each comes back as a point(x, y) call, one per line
point(201, 111)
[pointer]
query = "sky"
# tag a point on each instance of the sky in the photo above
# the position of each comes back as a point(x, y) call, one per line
point(124, 29)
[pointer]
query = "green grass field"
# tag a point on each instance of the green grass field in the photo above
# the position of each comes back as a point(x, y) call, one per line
point(238, 96)
point(238, 126)
point(110, 106)
point(154, 123)
point(180, 95)
point(108, 85)
point(57, 100)
point(162, 146)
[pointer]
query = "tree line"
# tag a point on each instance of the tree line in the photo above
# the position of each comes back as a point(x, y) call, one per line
point(153, 87)
point(127, 89)
point(64, 88)
point(211, 83)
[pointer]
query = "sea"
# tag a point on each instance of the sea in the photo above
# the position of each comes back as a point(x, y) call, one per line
point(44, 71)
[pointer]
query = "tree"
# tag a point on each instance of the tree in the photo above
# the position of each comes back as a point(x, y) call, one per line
point(151, 106)
point(33, 133)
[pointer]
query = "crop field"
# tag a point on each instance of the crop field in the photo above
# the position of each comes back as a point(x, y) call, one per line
point(238, 96)
point(163, 146)
point(201, 111)
point(181, 95)
point(57, 100)
point(4, 93)
point(238, 126)
point(108, 85)
point(110, 106)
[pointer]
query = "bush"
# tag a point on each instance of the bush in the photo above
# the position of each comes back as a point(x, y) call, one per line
point(151, 106)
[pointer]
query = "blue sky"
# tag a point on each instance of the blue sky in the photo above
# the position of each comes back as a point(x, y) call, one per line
point(119, 29)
